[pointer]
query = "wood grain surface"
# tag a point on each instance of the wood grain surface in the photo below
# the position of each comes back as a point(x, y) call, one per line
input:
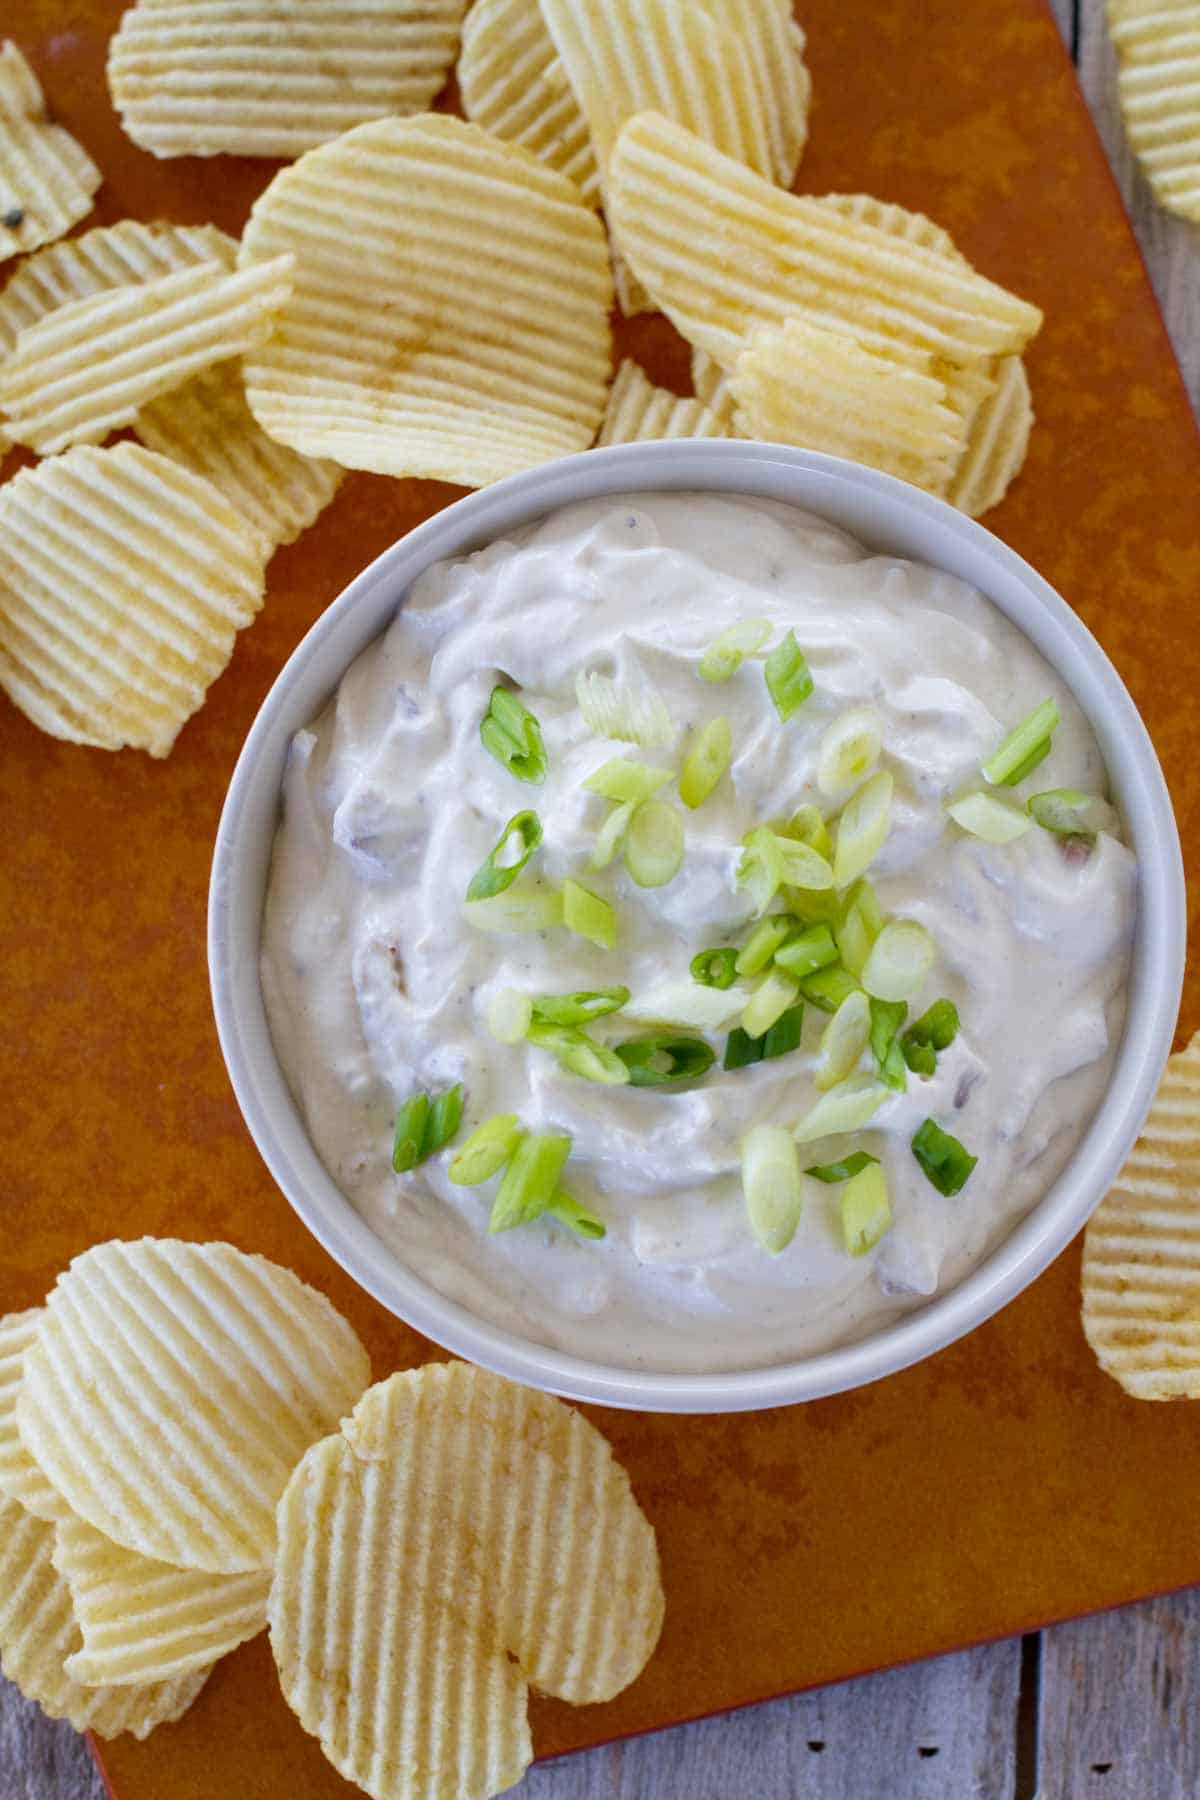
point(1098, 1709)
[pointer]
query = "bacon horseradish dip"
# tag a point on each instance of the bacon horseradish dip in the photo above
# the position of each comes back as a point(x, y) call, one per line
point(869, 912)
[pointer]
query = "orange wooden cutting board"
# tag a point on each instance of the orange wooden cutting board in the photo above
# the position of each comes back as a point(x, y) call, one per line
point(1001, 1485)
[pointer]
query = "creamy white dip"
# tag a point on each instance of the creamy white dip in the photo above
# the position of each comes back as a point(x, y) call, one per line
point(375, 986)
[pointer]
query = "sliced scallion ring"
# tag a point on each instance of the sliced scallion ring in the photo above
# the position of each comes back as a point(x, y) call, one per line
point(424, 1126)
point(715, 968)
point(828, 987)
point(934, 1031)
point(530, 1180)
point(579, 1008)
point(1072, 814)
point(588, 915)
point(1024, 748)
point(726, 653)
point(866, 1210)
point(763, 942)
point(988, 818)
point(511, 734)
point(900, 959)
point(615, 709)
point(486, 1150)
point(528, 908)
point(677, 1001)
point(859, 926)
point(862, 828)
point(611, 835)
point(512, 850)
point(849, 750)
point(665, 1061)
point(843, 1170)
point(569, 1212)
point(623, 778)
point(788, 677)
point(706, 762)
point(772, 997)
point(807, 825)
point(509, 1015)
point(804, 867)
point(807, 951)
point(761, 866)
point(946, 1162)
point(887, 1016)
point(771, 1186)
point(653, 847)
point(579, 1053)
point(847, 1107)
point(843, 1041)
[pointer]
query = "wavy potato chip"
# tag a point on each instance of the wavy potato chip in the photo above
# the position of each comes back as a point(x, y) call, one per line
point(20, 1477)
point(83, 370)
point(638, 411)
point(172, 1388)
point(472, 342)
point(897, 221)
point(1141, 1250)
point(1158, 84)
point(513, 83)
point(124, 580)
point(47, 179)
point(257, 78)
point(997, 440)
point(460, 1539)
point(39, 1634)
point(710, 383)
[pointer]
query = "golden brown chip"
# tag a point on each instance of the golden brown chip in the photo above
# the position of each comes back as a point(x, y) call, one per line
point(997, 440)
point(20, 1477)
point(257, 78)
point(1158, 45)
point(513, 83)
point(172, 1388)
point(637, 411)
point(47, 179)
point(472, 342)
point(1141, 1251)
point(38, 1634)
point(460, 1538)
point(123, 582)
point(721, 251)
point(84, 370)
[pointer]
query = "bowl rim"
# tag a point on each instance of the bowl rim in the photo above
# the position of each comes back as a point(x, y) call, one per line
point(834, 489)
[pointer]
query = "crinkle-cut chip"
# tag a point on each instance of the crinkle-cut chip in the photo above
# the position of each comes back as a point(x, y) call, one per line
point(631, 296)
point(460, 1538)
point(20, 1477)
point(260, 78)
point(637, 411)
point(84, 370)
point(39, 1633)
point(513, 84)
point(897, 221)
point(47, 179)
point(997, 440)
point(794, 384)
point(710, 382)
point(720, 250)
point(1158, 83)
point(124, 579)
point(472, 342)
point(173, 1387)
point(110, 256)
point(207, 426)
point(1141, 1251)
point(145, 1621)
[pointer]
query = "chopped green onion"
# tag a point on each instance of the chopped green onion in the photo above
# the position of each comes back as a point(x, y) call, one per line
point(992, 820)
point(494, 875)
point(520, 909)
point(621, 778)
point(509, 1015)
point(725, 654)
point(614, 709)
point(849, 750)
point(945, 1161)
point(530, 1181)
point(513, 736)
point(445, 1117)
point(579, 1008)
point(920, 1058)
point(859, 926)
point(854, 1164)
point(804, 867)
point(653, 848)
point(900, 959)
point(934, 1031)
point(784, 1035)
point(665, 1061)
point(761, 866)
point(588, 916)
point(807, 824)
point(773, 995)
point(579, 1053)
point(828, 987)
point(866, 1210)
point(807, 951)
point(714, 968)
point(425, 1126)
point(771, 1186)
point(486, 1151)
point(887, 1016)
point(862, 828)
point(678, 1001)
point(611, 834)
point(763, 942)
point(1024, 748)
point(1072, 814)
point(706, 762)
point(812, 907)
point(789, 679)
point(741, 1049)
point(846, 1107)
point(843, 1041)
point(569, 1212)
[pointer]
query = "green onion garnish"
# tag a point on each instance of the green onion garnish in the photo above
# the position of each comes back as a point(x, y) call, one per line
point(653, 848)
point(615, 709)
point(769, 861)
point(529, 908)
point(714, 968)
point(530, 1181)
point(1024, 748)
point(588, 916)
point(784, 1035)
point(741, 1049)
point(1072, 814)
point(921, 1058)
point(846, 1107)
point(570, 1212)
point(706, 762)
point(945, 1161)
point(725, 654)
point(866, 1210)
point(486, 1151)
point(900, 959)
point(849, 750)
point(773, 995)
point(862, 828)
point(513, 736)
point(887, 1016)
point(579, 1008)
point(621, 778)
point(789, 679)
point(579, 1053)
point(807, 824)
point(517, 842)
point(843, 1040)
point(985, 817)
point(806, 951)
point(665, 1061)
point(424, 1126)
point(763, 942)
point(804, 867)
point(859, 926)
point(771, 1186)
point(935, 1030)
point(611, 834)
point(509, 1015)
point(828, 987)
point(850, 1165)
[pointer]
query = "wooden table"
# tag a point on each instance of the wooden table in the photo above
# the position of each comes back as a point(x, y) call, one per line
point(1101, 1709)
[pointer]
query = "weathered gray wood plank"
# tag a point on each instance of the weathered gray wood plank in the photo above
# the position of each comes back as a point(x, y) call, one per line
point(41, 1759)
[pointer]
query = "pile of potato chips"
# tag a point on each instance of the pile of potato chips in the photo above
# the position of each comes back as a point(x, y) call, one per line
point(1158, 48)
point(173, 1478)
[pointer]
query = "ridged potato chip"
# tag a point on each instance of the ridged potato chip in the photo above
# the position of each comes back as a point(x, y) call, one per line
point(461, 1538)
point(47, 179)
point(257, 78)
point(710, 383)
point(38, 1635)
point(472, 342)
point(721, 251)
point(1141, 1250)
point(145, 1621)
point(172, 1388)
point(794, 384)
point(637, 411)
point(897, 221)
point(83, 370)
point(1158, 47)
point(20, 1477)
point(123, 582)
point(513, 83)
point(997, 440)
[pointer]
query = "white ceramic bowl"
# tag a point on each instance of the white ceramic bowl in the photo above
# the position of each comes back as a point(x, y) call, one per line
point(891, 517)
